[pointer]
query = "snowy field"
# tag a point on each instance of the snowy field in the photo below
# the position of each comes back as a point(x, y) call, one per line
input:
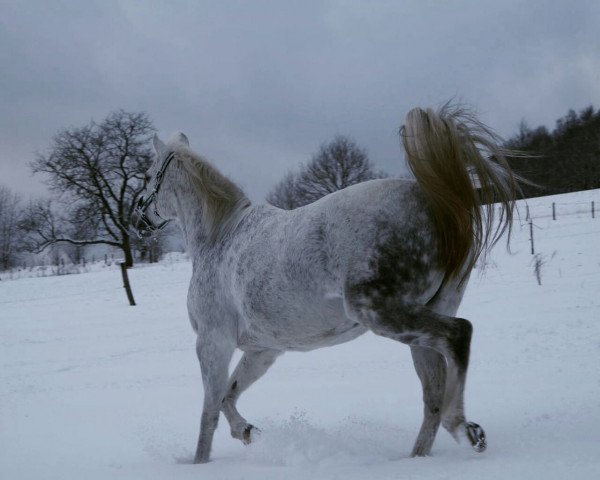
point(94, 389)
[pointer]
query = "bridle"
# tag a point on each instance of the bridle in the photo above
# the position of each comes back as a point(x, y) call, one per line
point(145, 226)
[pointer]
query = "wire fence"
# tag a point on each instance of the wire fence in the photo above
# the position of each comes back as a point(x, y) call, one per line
point(555, 210)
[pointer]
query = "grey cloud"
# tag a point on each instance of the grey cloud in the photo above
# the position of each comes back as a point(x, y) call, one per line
point(258, 86)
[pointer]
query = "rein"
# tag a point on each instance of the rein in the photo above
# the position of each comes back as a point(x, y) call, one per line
point(145, 225)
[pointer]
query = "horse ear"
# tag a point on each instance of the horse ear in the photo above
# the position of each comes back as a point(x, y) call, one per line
point(159, 146)
point(181, 138)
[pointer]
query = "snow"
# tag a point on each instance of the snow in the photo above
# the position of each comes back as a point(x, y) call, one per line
point(92, 388)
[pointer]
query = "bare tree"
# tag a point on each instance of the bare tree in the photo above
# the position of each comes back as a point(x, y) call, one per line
point(40, 225)
point(9, 231)
point(337, 165)
point(150, 249)
point(284, 194)
point(97, 173)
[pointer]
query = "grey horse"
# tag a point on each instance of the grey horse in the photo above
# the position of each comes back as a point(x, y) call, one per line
point(392, 256)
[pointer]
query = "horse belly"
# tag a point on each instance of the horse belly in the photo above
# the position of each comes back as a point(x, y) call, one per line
point(299, 329)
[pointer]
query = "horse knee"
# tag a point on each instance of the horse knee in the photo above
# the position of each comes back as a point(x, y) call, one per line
point(433, 406)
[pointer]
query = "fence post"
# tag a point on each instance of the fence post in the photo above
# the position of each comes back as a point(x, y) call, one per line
point(593, 212)
point(531, 237)
point(553, 211)
point(527, 217)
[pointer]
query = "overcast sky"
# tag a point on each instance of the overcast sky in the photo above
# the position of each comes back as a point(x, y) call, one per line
point(257, 86)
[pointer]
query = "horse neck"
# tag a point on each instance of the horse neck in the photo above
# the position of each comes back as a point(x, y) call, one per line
point(189, 217)
point(189, 206)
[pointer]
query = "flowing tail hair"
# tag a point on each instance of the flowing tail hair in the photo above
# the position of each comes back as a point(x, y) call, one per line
point(461, 167)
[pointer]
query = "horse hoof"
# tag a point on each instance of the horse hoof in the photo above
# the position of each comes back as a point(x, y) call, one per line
point(199, 459)
point(476, 436)
point(249, 432)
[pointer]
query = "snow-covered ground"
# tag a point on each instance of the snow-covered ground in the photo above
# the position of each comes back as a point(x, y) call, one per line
point(92, 388)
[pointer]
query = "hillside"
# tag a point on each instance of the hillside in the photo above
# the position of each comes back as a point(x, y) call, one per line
point(92, 388)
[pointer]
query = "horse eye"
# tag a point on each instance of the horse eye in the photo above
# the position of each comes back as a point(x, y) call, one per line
point(147, 177)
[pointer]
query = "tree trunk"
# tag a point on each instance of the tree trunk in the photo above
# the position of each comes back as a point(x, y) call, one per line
point(126, 284)
point(126, 247)
point(128, 263)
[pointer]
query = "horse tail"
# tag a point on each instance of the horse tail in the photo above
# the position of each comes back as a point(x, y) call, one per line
point(461, 167)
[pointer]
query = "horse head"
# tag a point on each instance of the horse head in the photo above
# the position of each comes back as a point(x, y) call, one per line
point(146, 218)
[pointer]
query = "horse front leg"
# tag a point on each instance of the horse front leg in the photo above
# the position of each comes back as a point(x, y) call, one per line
point(214, 353)
point(251, 367)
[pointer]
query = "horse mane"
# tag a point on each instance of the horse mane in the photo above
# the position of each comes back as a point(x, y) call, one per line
point(221, 198)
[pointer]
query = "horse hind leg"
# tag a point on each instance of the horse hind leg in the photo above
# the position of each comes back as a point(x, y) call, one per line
point(453, 415)
point(443, 398)
point(251, 367)
point(446, 302)
point(431, 370)
point(422, 327)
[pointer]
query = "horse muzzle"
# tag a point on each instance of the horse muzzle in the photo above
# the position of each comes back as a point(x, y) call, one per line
point(142, 224)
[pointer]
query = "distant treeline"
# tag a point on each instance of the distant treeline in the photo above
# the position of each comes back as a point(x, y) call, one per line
point(564, 160)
